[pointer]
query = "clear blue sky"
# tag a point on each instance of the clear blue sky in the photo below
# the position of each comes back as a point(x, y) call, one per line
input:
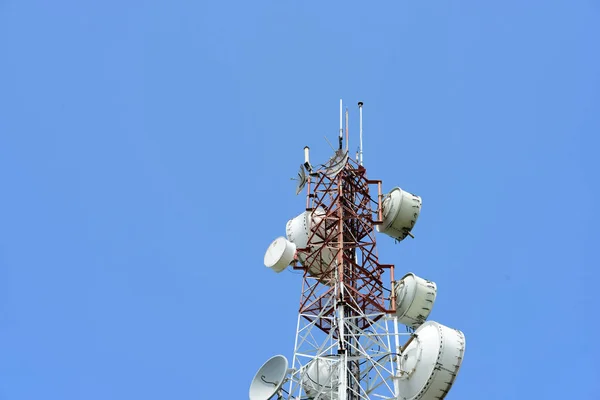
point(145, 156)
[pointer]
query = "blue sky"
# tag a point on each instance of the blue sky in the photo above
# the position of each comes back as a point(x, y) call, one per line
point(145, 156)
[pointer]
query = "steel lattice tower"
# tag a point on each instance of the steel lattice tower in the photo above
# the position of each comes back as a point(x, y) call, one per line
point(343, 294)
point(348, 345)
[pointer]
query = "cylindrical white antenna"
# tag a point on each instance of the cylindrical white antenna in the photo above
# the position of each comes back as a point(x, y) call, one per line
point(341, 128)
point(307, 160)
point(347, 137)
point(360, 158)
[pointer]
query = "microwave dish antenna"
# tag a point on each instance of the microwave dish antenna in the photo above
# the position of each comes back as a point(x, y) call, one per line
point(336, 163)
point(307, 232)
point(415, 297)
point(269, 378)
point(280, 254)
point(430, 361)
point(400, 211)
point(321, 378)
point(301, 180)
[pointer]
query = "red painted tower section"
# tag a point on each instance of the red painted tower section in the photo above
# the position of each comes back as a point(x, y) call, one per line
point(342, 246)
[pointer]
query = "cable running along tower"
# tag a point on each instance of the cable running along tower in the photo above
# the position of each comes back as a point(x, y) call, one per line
point(348, 343)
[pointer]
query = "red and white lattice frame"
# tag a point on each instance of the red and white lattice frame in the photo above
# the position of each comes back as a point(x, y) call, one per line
point(346, 230)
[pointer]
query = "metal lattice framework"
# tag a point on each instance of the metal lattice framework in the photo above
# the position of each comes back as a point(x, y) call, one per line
point(346, 335)
point(342, 246)
point(348, 346)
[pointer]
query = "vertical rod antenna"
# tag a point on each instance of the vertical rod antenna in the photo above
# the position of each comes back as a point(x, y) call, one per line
point(360, 148)
point(347, 138)
point(307, 159)
point(341, 130)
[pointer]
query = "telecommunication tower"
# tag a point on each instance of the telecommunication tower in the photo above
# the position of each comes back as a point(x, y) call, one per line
point(348, 343)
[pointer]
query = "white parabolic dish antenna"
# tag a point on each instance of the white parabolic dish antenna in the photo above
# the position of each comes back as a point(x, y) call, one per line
point(299, 230)
point(415, 297)
point(321, 378)
point(430, 362)
point(269, 378)
point(400, 211)
point(279, 254)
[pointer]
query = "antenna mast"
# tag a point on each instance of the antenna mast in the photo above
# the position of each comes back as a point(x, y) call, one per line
point(341, 128)
point(347, 137)
point(360, 151)
point(348, 345)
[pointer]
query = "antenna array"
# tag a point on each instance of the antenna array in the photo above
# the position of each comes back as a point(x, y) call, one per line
point(348, 345)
